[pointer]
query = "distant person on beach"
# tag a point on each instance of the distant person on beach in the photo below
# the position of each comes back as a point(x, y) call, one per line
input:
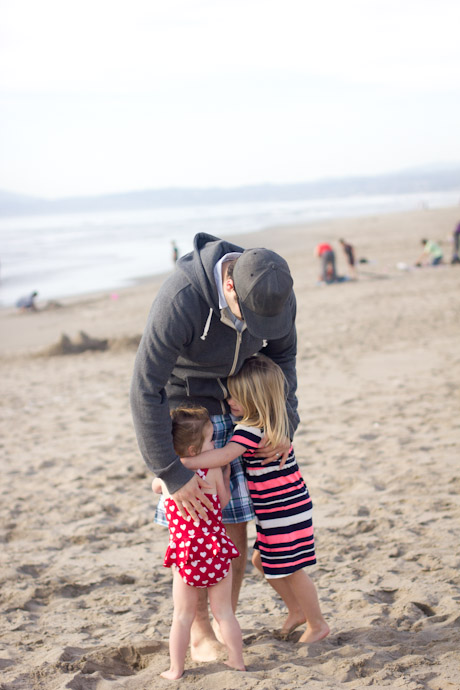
point(326, 255)
point(285, 543)
point(456, 246)
point(350, 254)
point(221, 305)
point(175, 252)
point(432, 254)
point(27, 303)
point(200, 552)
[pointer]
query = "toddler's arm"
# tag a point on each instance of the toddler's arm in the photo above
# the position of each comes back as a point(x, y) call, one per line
point(214, 458)
point(159, 487)
point(222, 479)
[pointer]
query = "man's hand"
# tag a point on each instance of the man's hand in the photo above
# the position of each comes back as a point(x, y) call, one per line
point(270, 454)
point(191, 499)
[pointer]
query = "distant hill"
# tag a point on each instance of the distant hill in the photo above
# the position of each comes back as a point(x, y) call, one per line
point(426, 179)
point(12, 204)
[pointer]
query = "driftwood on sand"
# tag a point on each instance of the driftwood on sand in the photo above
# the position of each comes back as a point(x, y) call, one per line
point(84, 342)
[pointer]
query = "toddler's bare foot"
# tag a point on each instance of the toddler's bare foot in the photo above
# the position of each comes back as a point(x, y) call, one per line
point(315, 634)
point(172, 674)
point(207, 649)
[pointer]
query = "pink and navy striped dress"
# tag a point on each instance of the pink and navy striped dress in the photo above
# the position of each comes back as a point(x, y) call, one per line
point(283, 509)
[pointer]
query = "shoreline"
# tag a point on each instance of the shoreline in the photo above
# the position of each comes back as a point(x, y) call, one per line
point(132, 282)
point(99, 311)
point(271, 237)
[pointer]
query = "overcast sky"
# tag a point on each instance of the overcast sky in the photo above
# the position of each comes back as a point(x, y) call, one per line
point(107, 95)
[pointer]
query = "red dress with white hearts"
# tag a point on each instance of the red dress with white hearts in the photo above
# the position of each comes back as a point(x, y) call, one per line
point(201, 551)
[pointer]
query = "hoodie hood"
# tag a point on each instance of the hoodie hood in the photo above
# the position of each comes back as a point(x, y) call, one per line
point(198, 265)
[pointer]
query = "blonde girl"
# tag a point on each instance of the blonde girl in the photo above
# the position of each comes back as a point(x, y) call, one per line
point(285, 541)
point(199, 552)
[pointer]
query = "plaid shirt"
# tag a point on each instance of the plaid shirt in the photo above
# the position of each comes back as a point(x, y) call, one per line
point(239, 509)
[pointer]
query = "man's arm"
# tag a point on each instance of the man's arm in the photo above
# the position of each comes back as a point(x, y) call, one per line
point(166, 332)
point(158, 351)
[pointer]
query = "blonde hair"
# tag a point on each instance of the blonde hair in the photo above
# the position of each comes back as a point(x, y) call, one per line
point(260, 388)
point(188, 429)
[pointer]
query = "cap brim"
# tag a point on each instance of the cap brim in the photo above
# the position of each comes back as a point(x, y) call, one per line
point(268, 327)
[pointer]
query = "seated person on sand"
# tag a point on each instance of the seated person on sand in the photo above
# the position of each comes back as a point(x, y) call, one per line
point(27, 303)
point(432, 254)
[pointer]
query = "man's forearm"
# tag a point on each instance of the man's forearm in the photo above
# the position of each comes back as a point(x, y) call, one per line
point(152, 423)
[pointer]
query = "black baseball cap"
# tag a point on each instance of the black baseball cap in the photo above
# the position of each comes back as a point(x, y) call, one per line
point(263, 284)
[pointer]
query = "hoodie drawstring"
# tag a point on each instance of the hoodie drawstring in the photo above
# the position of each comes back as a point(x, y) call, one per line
point(206, 326)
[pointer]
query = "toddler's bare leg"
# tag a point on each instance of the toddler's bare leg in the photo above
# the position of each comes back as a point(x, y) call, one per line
point(185, 600)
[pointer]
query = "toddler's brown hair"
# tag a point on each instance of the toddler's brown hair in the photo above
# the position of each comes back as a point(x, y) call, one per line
point(188, 429)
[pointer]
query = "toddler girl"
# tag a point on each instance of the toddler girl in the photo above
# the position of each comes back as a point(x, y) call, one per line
point(200, 552)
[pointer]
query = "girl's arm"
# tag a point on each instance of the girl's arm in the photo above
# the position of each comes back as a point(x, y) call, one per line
point(214, 458)
point(222, 480)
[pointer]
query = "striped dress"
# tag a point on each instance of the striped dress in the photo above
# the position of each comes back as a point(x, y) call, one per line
point(283, 509)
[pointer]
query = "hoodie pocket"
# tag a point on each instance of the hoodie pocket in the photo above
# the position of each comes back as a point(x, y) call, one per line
point(197, 387)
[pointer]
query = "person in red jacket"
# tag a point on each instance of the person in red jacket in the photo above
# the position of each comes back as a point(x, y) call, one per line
point(326, 254)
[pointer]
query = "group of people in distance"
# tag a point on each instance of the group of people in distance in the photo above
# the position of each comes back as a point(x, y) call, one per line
point(433, 254)
point(219, 348)
point(326, 255)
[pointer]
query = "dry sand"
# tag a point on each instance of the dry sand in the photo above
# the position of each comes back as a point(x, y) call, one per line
point(85, 601)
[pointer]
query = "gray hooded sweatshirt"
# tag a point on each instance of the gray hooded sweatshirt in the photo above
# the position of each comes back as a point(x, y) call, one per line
point(188, 349)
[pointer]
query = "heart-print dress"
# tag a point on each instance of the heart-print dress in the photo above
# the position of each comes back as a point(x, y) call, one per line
point(201, 551)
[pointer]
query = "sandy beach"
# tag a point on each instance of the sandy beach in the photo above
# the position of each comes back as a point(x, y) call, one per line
point(85, 601)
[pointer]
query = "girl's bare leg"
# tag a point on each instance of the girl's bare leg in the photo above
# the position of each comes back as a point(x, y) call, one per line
point(185, 602)
point(304, 590)
point(282, 586)
point(220, 599)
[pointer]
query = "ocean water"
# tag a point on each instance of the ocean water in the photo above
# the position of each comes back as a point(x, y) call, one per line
point(74, 254)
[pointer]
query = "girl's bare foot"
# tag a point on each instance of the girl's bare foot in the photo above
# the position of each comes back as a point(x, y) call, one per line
point(171, 674)
point(315, 635)
point(291, 623)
